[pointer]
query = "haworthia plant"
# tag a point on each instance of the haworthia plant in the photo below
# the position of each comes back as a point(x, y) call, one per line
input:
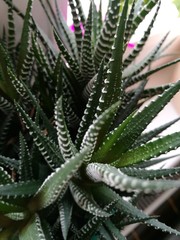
point(72, 140)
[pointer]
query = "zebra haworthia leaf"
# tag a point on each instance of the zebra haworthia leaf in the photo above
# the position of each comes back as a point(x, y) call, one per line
point(54, 185)
point(119, 180)
point(85, 200)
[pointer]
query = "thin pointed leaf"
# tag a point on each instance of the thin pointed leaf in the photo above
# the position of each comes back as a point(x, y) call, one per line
point(46, 146)
point(135, 69)
point(11, 31)
point(77, 25)
point(5, 178)
point(25, 171)
point(6, 207)
point(72, 63)
point(91, 106)
point(27, 96)
point(58, 76)
point(151, 174)
point(87, 61)
point(142, 42)
point(80, 11)
point(54, 185)
point(25, 37)
point(129, 24)
point(98, 129)
point(106, 195)
point(12, 163)
point(4, 129)
point(42, 60)
point(115, 233)
point(112, 90)
point(106, 37)
point(27, 66)
point(65, 211)
point(155, 161)
point(90, 228)
point(149, 150)
point(113, 177)
point(145, 137)
point(145, 75)
point(66, 34)
point(5, 83)
point(19, 189)
point(85, 201)
point(125, 137)
point(143, 12)
point(5, 105)
point(33, 230)
point(66, 145)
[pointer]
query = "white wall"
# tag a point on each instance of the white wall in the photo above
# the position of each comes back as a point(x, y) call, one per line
point(38, 14)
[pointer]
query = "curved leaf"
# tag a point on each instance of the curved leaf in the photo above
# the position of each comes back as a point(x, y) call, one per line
point(54, 185)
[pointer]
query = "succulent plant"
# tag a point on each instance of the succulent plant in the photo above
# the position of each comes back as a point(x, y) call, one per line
point(74, 154)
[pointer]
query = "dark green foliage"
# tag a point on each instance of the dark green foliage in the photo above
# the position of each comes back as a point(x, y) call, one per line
point(71, 130)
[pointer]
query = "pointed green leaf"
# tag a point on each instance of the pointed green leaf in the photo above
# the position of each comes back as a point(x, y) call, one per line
point(5, 178)
point(19, 189)
point(87, 60)
point(108, 30)
point(66, 145)
point(65, 32)
point(6, 207)
point(98, 128)
point(12, 163)
point(110, 140)
point(161, 226)
point(90, 228)
point(64, 52)
point(77, 24)
point(119, 180)
point(46, 146)
point(28, 96)
point(4, 129)
point(115, 233)
point(105, 194)
point(138, 48)
point(92, 103)
point(65, 211)
point(149, 150)
point(84, 200)
point(25, 171)
point(143, 11)
point(151, 173)
point(112, 89)
point(33, 230)
point(11, 30)
point(5, 83)
point(146, 137)
point(145, 75)
point(123, 141)
point(54, 185)
point(25, 37)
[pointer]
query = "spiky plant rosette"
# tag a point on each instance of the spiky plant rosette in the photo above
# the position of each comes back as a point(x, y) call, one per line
point(72, 137)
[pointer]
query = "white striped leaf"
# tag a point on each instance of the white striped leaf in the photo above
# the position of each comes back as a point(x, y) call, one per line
point(84, 200)
point(33, 230)
point(66, 145)
point(54, 185)
point(115, 178)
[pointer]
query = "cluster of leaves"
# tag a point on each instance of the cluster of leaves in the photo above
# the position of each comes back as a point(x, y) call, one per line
point(72, 136)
